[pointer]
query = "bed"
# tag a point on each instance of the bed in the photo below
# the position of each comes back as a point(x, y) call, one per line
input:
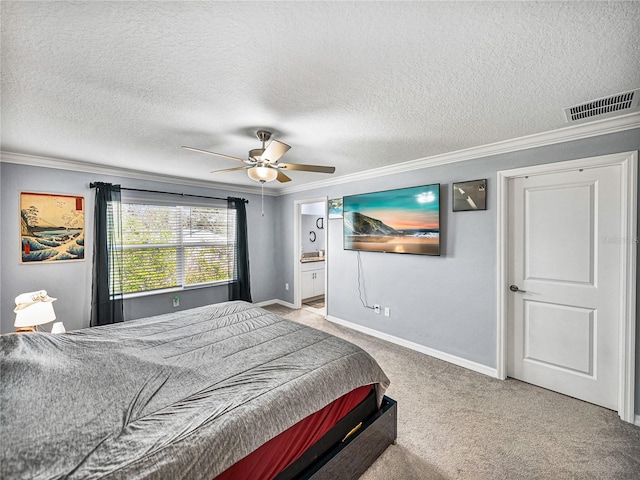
point(191, 395)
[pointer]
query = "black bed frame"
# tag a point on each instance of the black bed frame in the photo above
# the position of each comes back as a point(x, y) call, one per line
point(353, 456)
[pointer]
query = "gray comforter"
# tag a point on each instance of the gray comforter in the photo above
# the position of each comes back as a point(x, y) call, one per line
point(182, 395)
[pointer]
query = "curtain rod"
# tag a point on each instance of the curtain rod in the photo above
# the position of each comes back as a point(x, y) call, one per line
point(92, 185)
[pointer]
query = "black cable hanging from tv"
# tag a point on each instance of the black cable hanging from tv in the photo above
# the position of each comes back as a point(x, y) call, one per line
point(93, 185)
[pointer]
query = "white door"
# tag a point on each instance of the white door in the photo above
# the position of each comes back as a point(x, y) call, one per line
point(564, 274)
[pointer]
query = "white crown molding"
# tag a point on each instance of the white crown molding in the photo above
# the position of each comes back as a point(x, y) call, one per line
point(560, 135)
point(74, 165)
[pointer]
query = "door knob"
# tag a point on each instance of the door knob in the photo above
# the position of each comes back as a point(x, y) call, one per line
point(514, 288)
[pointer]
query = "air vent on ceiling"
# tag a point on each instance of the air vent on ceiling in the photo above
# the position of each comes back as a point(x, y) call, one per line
point(608, 106)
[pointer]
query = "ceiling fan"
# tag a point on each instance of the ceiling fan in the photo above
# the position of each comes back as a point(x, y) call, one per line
point(263, 164)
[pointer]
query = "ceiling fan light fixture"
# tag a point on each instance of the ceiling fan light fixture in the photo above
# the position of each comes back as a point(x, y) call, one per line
point(262, 163)
point(262, 174)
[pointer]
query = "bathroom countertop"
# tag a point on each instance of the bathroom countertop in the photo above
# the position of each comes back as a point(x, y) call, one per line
point(312, 259)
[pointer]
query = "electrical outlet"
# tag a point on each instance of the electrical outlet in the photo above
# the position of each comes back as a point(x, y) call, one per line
point(286, 286)
point(387, 312)
point(376, 308)
point(176, 301)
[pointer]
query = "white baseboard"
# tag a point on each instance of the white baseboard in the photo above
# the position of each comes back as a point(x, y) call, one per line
point(278, 301)
point(447, 357)
point(637, 422)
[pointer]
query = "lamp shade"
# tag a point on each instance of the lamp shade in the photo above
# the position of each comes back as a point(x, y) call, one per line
point(262, 174)
point(34, 308)
point(58, 327)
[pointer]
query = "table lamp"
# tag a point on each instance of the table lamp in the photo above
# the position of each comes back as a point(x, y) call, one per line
point(33, 309)
point(58, 327)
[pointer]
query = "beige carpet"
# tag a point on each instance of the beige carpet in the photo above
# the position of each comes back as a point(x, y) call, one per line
point(457, 424)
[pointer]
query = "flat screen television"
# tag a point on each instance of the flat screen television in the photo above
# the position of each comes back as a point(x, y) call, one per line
point(406, 220)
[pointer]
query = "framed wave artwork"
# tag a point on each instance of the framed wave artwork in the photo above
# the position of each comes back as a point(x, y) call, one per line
point(51, 228)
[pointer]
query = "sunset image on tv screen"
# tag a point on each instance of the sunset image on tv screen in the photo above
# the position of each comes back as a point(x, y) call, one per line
point(405, 220)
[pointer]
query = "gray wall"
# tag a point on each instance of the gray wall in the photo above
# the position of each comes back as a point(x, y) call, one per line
point(308, 225)
point(447, 303)
point(70, 282)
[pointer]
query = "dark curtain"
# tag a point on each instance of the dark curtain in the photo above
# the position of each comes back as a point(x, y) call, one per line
point(106, 290)
point(240, 284)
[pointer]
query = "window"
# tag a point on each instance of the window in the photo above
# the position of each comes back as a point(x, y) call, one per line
point(175, 246)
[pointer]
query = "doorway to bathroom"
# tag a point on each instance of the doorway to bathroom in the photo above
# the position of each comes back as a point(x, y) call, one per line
point(310, 255)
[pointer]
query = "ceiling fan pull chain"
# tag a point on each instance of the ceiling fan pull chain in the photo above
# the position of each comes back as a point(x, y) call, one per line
point(262, 195)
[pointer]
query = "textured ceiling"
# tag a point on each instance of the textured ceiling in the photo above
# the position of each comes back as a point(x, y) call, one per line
point(357, 85)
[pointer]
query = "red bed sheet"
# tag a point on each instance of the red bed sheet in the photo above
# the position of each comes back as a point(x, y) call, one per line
point(278, 453)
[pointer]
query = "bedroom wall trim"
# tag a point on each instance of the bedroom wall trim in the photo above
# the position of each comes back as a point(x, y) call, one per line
point(628, 162)
point(74, 165)
point(447, 357)
point(275, 301)
point(560, 135)
point(637, 422)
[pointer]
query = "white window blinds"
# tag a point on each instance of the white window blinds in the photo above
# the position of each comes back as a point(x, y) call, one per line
point(170, 246)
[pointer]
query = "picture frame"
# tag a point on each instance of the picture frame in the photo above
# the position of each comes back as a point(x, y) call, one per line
point(470, 195)
point(335, 208)
point(51, 228)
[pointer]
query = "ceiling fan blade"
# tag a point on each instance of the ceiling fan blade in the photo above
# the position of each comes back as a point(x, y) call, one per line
point(307, 168)
point(282, 177)
point(274, 151)
point(232, 169)
point(214, 153)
